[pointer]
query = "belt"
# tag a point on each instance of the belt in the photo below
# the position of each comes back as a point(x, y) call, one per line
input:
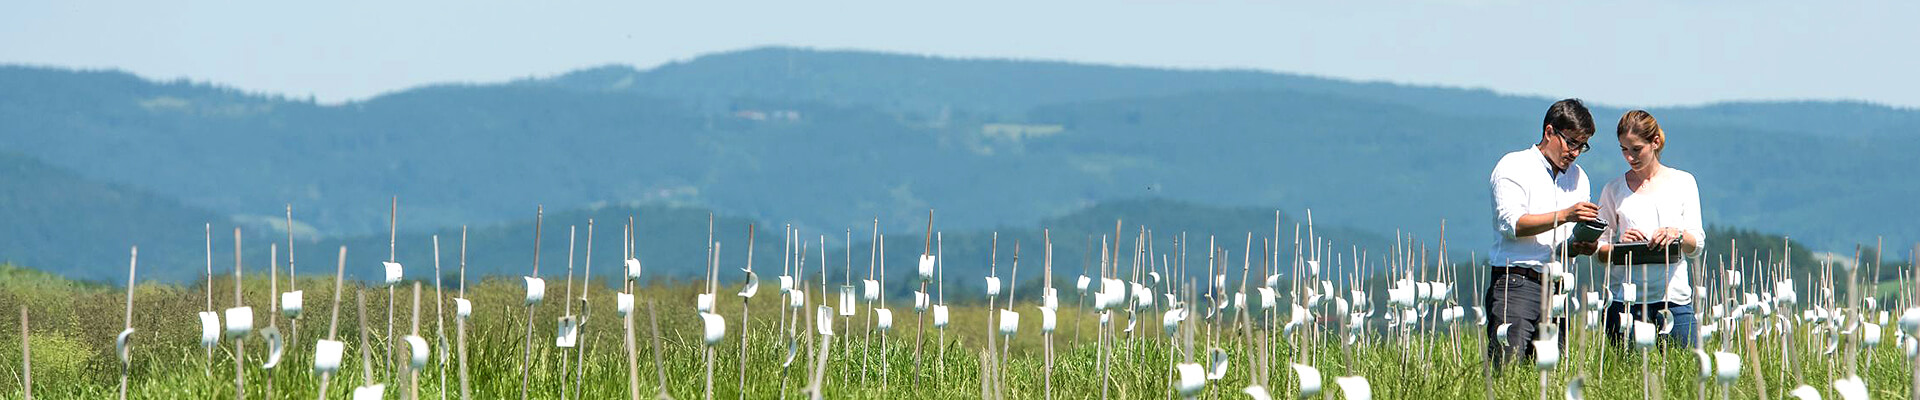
point(1525, 272)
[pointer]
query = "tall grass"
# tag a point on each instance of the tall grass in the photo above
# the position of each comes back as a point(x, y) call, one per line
point(74, 327)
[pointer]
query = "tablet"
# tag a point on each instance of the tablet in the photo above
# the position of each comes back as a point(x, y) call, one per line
point(1588, 231)
point(1643, 253)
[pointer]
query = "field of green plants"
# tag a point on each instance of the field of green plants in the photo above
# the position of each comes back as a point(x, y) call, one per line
point(73, 326)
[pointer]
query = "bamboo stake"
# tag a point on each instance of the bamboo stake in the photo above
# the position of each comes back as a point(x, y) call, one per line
point(439, 316)
point(460, 324)
point(626, 322)
point(333, 324)
point(273, 304)
point(659, 366)
point(846, 321)
point(817, 390)
point(1913, 261)
point(884, 364)
point(26, 356)
point(1046, 336)
point(940, 285)
point(580, 326)
point(746, 308)
point(208, 371)
point(873, 260)
point(126, 352)
point(1100, 337)
point(919, 316)
point(293, 280)
point(413, 375)
point(713, 264)
point(993, 270)
point(239, 343)
point(393, 219)
point(1006, 346)
point(566, 304)
point(366, 355)
point(526, 355)
point(824, 354)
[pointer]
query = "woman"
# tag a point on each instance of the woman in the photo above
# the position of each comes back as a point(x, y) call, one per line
point(1659, 206)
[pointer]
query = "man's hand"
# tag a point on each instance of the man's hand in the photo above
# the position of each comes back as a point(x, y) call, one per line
point(1581, 212)
point(1582, 248)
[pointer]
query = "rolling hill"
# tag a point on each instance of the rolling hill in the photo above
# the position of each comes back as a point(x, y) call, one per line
point(831, 139)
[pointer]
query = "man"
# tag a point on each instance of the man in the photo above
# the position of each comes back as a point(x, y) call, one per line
point(1539, 195)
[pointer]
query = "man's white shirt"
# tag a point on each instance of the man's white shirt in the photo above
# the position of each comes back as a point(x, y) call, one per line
point(1524, 183)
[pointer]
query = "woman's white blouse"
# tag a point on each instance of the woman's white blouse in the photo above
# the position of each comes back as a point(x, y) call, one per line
point(1670, 200)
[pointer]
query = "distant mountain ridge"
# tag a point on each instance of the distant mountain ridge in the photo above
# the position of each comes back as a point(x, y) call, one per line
point(874, 135)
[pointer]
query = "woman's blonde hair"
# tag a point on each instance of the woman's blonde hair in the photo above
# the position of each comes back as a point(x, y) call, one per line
point(1641, 124)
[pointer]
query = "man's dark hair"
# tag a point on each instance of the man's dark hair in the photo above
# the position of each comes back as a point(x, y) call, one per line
point(1569, 118)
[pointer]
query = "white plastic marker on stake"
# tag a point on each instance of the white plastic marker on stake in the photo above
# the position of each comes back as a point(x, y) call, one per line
point(622, 304)
point(463, 309)
point(209, 329)
point(371, 392)
point(393, 272)
point(1256, 392)
point(566, 333)
point(849, 300)
point(1576, 389)
point(1192, 379)
point(1644, 334)
point(1171, 320)
point(276, 346)
point(1805, 392)
point(1354, 387)
point(1547, 353)
point(1726, 367)
point(1216, 364)
point(1851, 388)
point(292, 303)
point(536, 290)
point(1706, 364)
point(326, 355)
point(1009, 323)
point(1309, 380)
point(823, 320)
point(703, 302)
point(940, 316)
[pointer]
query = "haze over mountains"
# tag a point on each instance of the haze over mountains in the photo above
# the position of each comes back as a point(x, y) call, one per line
point(830, 140)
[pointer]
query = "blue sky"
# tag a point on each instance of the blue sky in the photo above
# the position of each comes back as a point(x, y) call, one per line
point(1630, 53)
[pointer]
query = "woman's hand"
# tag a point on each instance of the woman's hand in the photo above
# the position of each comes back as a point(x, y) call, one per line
point(1666, 237)
point(1632, 235)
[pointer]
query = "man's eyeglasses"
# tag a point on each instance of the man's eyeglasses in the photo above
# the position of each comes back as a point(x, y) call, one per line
point(1577, 146)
